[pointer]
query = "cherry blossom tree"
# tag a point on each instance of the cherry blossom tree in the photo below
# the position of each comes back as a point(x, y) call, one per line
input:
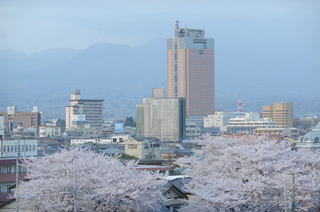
point(250, 174)
point(81, 180)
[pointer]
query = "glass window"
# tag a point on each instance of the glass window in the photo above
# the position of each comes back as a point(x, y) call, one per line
point(8, 189)
point(8, 169)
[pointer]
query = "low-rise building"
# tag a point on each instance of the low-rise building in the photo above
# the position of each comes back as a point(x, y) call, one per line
point(145, 149)
point(15, 147)
point(217, 120)
point(312, 136)
point(49, 131)
point(14, 119)
point(8, 177)
point(193, 130)
point(119, 138)
point(82, 141)
point(248, 122)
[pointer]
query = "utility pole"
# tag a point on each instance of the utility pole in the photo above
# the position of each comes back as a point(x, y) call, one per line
point(75, 190)
point(285, 198)
point(293, 192)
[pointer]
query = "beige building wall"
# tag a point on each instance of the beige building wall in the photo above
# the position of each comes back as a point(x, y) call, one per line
point(281, 113)
point(158, 93)
point(69, 116)
point(161, 118)
point(27, 119)
point(134, 148)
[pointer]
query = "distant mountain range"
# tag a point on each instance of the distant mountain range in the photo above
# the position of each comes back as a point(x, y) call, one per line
point(122, 75)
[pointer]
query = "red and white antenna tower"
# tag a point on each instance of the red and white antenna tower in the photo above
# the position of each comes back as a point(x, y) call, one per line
point(240, 106)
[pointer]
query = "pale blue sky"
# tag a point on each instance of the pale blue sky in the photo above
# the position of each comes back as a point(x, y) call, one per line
point(37, 25)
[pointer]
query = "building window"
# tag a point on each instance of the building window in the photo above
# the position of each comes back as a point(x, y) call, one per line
point(8, 169)
point(132, 146)
point(175, 68)
point(8, 189)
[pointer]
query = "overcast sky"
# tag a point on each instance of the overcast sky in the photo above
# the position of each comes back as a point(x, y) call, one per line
point(31, 25)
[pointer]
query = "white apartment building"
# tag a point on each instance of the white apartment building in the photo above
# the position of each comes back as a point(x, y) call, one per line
point(247, 122)
point(11, 148)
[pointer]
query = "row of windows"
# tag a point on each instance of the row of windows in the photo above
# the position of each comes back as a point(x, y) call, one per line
point(11, 169)
point(132, 146)
point(15, 148)
point(4, 189)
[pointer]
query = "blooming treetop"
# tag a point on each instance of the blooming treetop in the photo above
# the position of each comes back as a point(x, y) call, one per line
point(250, 173)
point(81, 180)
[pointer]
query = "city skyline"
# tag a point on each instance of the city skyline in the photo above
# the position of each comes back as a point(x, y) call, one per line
point(173, 95)
point(253, 55)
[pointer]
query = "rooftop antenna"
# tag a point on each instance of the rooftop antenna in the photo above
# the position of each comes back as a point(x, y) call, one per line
point(177, 28)
point(240, 106)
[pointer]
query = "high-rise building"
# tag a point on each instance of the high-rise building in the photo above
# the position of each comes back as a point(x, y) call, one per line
point(281, 113)
point(190, 70)
point(161, 118)
point(83, 112)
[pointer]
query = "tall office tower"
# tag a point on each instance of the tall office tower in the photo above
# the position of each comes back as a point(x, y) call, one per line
point(190, 71)
point(161, 118)
point(281, 113)
point(83, 112)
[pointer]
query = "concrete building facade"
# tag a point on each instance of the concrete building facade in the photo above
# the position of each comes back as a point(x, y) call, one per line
point(158, 93)
point(145, 149)
point(14, 119)
point(218, 119)
point(86, 113)
point(161, 118)
point(1, 127)
point(24, 147)
point(190, 70)
point(281, 113)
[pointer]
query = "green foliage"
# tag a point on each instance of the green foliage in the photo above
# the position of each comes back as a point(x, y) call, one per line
point(129, 122)
point(127, 157)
